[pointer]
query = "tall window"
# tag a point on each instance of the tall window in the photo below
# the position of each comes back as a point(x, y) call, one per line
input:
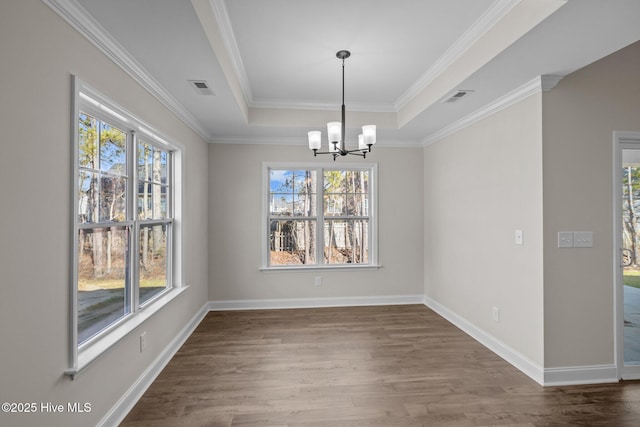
point(320, 216)
point(124, 225)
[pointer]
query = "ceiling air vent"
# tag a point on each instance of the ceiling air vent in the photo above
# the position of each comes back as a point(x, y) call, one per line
point(201, 86)
point(456, 96)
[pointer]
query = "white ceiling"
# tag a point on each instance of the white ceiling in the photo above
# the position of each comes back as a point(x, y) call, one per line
point(272, 64)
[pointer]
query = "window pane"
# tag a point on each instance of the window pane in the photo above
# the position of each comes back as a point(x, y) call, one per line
point(159, 169)
point(152, 201)
point(358, 204)
point(152, 182)
point(88, 200)
point(346, 242)
point(102, 284)
point(113, 204)
point(155, 166)
point(334, 182)
point(357, 181)
point(145, 161)
point(153, 261)
point(346, 193)
point(334, 204)
point(334, 193)
point(101, 198)
point(304, 204)
point(87, 141)
point(152, 163)
point(292, 192)
point(281, 204)
point(113, 154)
point(292, 242)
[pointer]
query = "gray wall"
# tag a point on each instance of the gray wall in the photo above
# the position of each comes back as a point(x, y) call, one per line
point(543, 165)
point(39, 53)
point(235, 219)
point(579, 117)
point(481, 184)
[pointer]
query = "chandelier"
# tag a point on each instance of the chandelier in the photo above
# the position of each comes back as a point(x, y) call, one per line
point(336, 130)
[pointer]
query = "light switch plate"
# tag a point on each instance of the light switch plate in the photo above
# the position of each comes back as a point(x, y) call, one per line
point(582, 239)
point(565, 239)
point(519, 237)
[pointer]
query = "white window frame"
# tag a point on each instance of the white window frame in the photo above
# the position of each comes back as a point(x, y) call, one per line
point(90, 101)
point(319, 168)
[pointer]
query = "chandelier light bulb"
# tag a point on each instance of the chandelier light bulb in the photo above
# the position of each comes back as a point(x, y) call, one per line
point(333, 129)
point(315, 139)
point(369, 132)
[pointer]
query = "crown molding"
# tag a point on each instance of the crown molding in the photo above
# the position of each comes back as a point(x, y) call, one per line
point(260, 140)
point(310, 105)
point(229, 40)
point(301, 141)
point(548, 82)
point(230, 43)
point(484, 23)
point(530, 88)
point(78, 17)
point(495, 12)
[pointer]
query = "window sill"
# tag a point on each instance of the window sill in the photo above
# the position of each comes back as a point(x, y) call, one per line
point(95, 349)
point(322, 267)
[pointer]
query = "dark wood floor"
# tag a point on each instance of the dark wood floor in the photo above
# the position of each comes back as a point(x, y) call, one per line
point(361, 366)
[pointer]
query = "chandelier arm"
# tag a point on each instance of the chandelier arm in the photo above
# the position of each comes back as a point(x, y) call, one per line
point(355, 152)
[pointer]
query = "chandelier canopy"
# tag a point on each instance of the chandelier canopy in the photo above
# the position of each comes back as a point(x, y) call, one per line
point(336, 130)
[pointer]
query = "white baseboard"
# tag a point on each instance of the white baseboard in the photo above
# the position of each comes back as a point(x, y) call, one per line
point(264, 304)
point(135, 392)
point(574, 375)
point(571, 375)
point(521, 362)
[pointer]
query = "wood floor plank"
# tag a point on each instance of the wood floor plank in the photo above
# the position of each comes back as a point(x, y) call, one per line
point(355, 367)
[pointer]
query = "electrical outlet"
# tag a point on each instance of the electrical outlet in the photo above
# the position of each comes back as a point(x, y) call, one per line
point(496, 314)
point(318, 281)
point(143, 341)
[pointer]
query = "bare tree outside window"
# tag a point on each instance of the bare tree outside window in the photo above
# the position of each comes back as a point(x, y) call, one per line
point(107, 230)
point(293, 210)
point(630, 226)
point(304, 213)
point(103, 238)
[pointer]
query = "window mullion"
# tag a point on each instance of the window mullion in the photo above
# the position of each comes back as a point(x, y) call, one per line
point(169, 255)
point(96, 167)
point(170, 213)
point(134, 256)
point(75, 185)
point(320, 216)
point(169, 184)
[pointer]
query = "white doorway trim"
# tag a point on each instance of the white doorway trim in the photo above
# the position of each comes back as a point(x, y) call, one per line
point(621, 141)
